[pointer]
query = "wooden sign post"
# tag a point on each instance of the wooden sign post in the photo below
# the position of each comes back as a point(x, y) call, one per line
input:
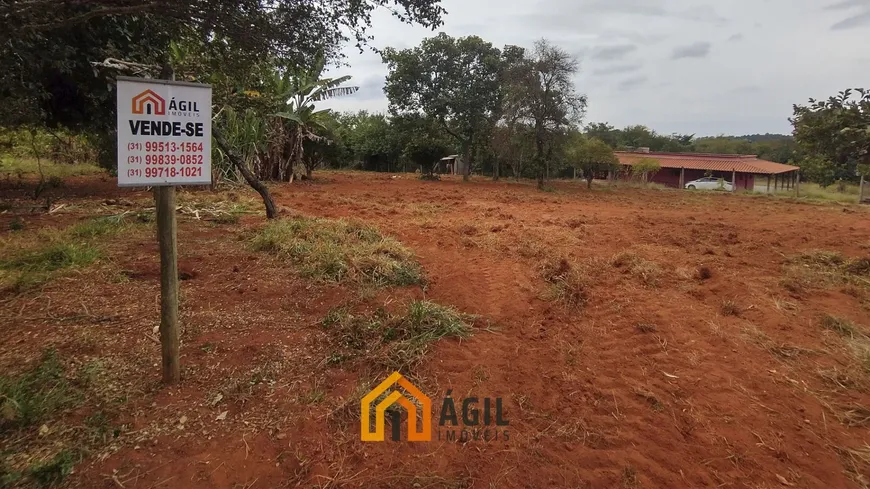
point(164, 140)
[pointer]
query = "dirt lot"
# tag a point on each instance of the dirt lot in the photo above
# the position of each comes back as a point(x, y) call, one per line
point(638, 338)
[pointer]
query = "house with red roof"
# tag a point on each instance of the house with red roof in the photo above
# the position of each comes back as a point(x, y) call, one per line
point(677, 169)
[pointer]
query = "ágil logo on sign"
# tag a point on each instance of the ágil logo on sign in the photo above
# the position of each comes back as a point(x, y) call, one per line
point(149, 103)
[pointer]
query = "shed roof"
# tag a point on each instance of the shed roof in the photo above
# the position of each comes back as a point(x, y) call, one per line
point(705, 161)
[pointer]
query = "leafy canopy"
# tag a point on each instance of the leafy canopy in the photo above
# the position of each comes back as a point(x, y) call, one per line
point(47, 46)
point(835, 131)
point(591, 155)
point(453, 80)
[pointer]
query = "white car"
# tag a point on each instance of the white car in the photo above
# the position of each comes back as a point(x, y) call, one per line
point(710, 183)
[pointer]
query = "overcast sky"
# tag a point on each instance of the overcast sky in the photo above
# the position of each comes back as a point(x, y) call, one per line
point(687, 66)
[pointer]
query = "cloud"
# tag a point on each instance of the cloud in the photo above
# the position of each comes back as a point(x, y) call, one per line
point(694, 50)
point(859, 20)
point(632, 83)
point(371, 88)
point(615, 70)
point(746, 89)
point(848, 4)
point(749, 93)
point(610, 53)
point(577, 15)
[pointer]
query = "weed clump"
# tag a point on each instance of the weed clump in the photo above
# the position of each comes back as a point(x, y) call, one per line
point(730, 308)
point(568, 284)
point(340, 251)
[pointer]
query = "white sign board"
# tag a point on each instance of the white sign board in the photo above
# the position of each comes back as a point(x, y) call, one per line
point(164, 133)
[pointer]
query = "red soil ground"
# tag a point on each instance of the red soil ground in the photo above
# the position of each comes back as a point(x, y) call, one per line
point(649, 384)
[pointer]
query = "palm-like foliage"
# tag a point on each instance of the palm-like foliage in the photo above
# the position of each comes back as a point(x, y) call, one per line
point(298, 120)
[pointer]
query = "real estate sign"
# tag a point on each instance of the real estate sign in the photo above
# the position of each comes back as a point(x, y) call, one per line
point(164, 132)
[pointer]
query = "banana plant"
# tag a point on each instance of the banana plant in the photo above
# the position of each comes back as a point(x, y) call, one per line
point(301, 92)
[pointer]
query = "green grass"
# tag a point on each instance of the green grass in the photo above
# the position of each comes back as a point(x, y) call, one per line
point(28, 167)
point(52, 257)
point(340, 251)
point(52, 472)
point(99, 227)
point(809, 190)
point(393, 341)
point(24, 267)
point(36, 394)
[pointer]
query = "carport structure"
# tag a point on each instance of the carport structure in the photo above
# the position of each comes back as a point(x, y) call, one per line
point(741, 170)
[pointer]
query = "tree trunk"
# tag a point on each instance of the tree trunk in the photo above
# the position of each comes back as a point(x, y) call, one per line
point(466, 176)
point(271, 212)
point(495, 170)
point(540, 159)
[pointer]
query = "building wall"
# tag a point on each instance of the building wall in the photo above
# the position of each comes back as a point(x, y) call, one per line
point(671, 177)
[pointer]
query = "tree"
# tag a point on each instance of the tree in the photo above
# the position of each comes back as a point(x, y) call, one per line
point(302, 121)
point(836, 131)
point(423, 140)
point(604, 132)
point(592, 156)
point(370, 139)
point(645, 169)
point(47, 47)
point(284, 29)
point(453, 80)
point(542, 94)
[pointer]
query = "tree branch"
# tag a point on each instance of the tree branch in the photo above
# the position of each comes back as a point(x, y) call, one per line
point(271, 212)
point(81, 18)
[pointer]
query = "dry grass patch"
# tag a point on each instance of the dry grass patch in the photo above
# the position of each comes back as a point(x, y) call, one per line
point(845, 379)
point(393, 341)
point(647, 272)
point(854, 336)
point(340, 251)
point(568, 284)
point(857, 464)
point(752, 334)
point(826, 269)
point(854, 415)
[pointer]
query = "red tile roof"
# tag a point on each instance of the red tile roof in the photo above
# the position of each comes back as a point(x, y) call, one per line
point(704, 161)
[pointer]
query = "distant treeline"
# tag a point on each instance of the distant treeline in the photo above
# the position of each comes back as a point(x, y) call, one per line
point(779, 148)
